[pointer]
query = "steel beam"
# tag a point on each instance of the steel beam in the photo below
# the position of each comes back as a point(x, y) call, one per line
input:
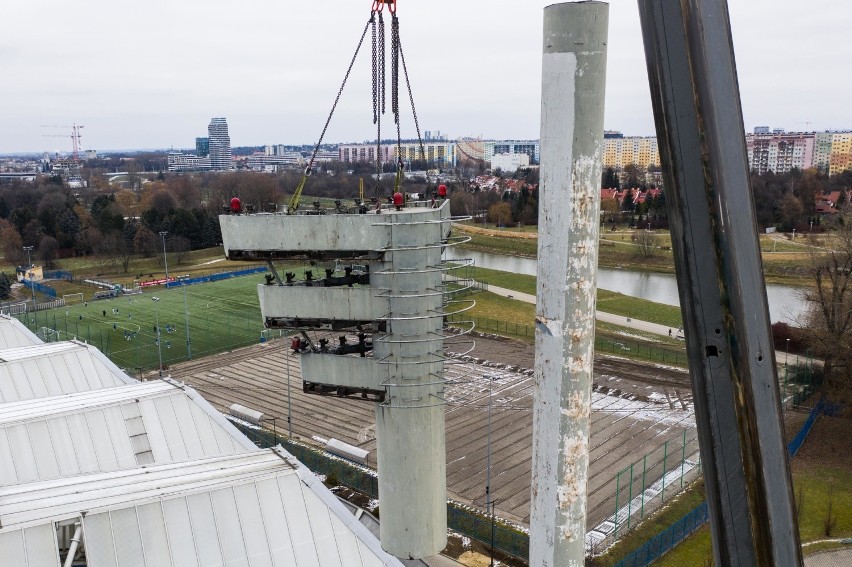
point(697, 109)
point(572, 109)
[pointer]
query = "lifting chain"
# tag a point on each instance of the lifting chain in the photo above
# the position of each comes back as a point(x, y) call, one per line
point(411, 98)
point(297, 194)
point(377, 28)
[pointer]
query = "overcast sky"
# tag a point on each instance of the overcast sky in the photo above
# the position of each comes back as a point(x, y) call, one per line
point(151, 74)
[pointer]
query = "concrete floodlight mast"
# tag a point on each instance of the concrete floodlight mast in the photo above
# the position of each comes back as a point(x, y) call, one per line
point(387, 313)
point(695, 95)
point(573, 79)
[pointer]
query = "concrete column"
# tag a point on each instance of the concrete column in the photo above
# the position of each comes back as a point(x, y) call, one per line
point(572, 109)
point(410, 428)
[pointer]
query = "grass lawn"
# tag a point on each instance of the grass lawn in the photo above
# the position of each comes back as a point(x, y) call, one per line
point(673, 511)
point(819, 484)
point(222, 315)
point(512, 318)
point(609, 301)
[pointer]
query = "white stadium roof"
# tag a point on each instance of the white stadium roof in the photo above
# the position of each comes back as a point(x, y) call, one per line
point(14, 334)
point(252, 509)
point(148, 474)
point(51, 369)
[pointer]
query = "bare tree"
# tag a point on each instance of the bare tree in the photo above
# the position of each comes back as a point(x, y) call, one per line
point(646, 242)
point(829, 321)
point(180, 247)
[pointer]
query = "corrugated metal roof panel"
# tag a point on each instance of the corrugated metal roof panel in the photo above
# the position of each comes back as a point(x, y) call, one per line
point(79, 436)
point(253, 508)
point(105, 430)
point(13, 333)
point(28, 410)
point(52, 369)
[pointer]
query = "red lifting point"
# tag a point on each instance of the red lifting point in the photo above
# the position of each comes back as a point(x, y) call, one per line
point(236, 206)
point(398, 200)
point(442, 191)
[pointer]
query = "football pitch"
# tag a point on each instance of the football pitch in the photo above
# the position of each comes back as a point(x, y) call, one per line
point(221, 316)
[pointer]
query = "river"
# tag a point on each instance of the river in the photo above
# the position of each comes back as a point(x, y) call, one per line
point(785, 302)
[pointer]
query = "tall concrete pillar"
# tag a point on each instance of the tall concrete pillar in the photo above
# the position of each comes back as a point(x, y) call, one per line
point(411, 451)
point(572, 111)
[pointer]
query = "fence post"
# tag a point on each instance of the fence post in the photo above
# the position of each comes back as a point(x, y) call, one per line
point(617, 479)
point(630, 498)
point(682, 459)
point(663, 487)
point(644, 470)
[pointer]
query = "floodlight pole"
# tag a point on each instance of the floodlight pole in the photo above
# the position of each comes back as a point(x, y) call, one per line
point(488, 502)
point(698, 115)
point(29, 249)
point(165, 259)
point(159, 342)
point(289, 414)
point(186, 322)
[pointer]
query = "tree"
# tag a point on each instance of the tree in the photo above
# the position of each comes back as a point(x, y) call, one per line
point(5, 286)
point(47, 251)
point(627, 203)
point(610, 179)
point(632, 177)
point(180, 247)
point(792, 210)
point(829, 323)
point(145, 242)
point(13, 247)
point(646, 243)
point(500, 213)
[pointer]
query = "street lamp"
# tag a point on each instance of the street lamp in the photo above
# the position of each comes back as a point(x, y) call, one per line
point(159, 341)
point(488, 502)
point(29, 249)
point(165, 260)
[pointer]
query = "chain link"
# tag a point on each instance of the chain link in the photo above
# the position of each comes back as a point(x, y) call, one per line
point(337, 98)
point(411, 98)
point(375, 70)
point(382, 66)
point(395, 68)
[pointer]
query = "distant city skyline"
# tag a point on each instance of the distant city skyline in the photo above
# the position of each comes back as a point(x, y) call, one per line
point(273, 71)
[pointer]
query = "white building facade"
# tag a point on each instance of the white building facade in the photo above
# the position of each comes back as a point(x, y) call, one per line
point(220, 144)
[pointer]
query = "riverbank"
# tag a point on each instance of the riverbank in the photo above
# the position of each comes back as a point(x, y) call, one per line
point(784, 262)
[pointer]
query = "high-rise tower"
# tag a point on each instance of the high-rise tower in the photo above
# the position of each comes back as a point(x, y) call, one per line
point(219, 144)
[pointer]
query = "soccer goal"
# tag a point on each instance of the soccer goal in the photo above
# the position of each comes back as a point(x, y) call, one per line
point(47, 334)
point(73, 298)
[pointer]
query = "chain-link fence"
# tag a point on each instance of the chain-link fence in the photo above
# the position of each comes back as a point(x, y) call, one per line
point(642, 487)
point(603, 342)
point(799, 380)
point(664, 541)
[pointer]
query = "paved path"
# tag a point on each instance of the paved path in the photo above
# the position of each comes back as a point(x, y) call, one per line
point(629, 322)
point(646, 326)
point(837, 558)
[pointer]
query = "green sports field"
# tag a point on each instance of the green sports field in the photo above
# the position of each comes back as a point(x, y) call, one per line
point(222, 315)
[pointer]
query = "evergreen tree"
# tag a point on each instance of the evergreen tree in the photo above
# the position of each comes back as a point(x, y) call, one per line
point(5, 286)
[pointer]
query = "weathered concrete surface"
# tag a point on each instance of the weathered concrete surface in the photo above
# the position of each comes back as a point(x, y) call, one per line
point(573, 79)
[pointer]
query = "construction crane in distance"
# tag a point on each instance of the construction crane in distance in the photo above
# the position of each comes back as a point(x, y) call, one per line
point(75, 138)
